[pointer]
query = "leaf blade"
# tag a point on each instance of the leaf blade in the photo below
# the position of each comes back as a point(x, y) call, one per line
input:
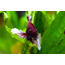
point(53, 33)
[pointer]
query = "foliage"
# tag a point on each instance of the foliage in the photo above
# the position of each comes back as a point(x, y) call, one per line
point(51, 25)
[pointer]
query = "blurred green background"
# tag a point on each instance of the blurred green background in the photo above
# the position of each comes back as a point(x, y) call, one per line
point(51, 25)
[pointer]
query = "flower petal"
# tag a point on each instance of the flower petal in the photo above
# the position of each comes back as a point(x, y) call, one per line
point(20, 33)
point(16, 31)
point(37, 42)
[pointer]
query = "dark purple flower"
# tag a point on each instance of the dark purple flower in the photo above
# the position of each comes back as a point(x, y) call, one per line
point(31, 33)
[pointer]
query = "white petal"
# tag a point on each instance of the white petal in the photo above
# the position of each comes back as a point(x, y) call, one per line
point(16, 31)
point(38, 44)
point(39, 41)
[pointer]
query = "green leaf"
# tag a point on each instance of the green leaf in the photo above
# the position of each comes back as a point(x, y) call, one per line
point(14, 17)
point(53, 41)
point(6, 41)
point(23, 23)
point(5, 16)
point(14, 35)
point(59, 45)
point(41, 21)
point(1, 11)
point(10, 22)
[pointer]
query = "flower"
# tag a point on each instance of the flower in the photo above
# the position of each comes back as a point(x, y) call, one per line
point(31, 33)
